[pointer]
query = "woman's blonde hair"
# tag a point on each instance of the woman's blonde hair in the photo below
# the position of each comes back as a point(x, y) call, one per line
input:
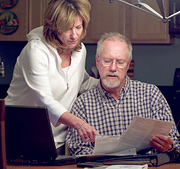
point(60, 15)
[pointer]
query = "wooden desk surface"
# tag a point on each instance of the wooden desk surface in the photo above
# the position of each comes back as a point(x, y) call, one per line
point(165, 166)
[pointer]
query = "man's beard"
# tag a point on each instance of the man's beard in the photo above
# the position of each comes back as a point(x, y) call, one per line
point(109, 82)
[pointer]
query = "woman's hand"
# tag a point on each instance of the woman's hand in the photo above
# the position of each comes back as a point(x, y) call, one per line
point(87, 132)
point(161, 142)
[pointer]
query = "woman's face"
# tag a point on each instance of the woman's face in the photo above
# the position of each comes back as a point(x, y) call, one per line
point(71, 37)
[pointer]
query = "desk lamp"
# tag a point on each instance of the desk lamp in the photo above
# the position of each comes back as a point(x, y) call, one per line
point(146, 8)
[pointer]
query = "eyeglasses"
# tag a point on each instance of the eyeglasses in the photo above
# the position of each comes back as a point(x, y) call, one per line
point(109, 62)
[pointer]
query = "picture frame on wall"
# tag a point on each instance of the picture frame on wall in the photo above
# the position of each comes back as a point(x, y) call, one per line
point(13, 20)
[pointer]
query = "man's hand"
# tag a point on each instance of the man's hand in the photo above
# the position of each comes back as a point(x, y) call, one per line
point(161, 142)
point(87, 132)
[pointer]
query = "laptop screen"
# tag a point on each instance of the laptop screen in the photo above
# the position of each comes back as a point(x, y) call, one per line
point(29, 134)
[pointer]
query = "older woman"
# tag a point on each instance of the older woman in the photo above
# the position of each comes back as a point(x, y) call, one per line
point(50, 70)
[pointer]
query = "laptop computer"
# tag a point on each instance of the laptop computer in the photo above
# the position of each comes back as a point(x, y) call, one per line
point(29, 137)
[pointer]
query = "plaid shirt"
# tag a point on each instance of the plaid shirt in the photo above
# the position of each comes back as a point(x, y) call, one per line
point(112, 117)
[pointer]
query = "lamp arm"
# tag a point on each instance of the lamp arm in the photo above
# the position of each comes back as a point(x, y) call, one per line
point(150, 10)
point(143, 4)
point(177, 13)
point(161, 7)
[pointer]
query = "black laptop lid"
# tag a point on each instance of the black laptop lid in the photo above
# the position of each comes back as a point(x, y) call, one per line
point(29, 134)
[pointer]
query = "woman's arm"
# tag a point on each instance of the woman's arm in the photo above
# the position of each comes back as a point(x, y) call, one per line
point(86, 132)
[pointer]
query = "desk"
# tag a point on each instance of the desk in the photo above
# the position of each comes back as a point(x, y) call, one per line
point(165, 166)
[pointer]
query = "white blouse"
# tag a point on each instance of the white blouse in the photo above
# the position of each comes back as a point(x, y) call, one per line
point(38, 79)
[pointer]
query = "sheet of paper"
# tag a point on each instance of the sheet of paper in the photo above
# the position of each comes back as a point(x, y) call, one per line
point(108, 144)
point(137, 135)
point(121, 167)
point(128, 167)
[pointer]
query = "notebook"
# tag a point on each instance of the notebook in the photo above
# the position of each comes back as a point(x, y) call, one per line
point(29, 138)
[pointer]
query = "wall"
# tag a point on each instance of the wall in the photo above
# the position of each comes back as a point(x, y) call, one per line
point(9, 52)
point(153, 63)
point(157, 63)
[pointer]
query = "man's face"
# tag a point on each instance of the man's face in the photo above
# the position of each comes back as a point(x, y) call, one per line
point(71, 37)
point(113, 64)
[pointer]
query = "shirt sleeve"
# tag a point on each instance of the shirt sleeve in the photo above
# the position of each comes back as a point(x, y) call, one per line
point(162, 111)
point(74, 142)
point(35, 70)
point(88, 82)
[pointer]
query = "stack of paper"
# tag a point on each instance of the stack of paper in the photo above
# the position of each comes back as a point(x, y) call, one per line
point(122, 167)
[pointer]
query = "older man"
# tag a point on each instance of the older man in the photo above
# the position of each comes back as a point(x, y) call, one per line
point(111, 106)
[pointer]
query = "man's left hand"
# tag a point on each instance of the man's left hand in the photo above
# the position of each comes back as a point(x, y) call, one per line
point(161, 142)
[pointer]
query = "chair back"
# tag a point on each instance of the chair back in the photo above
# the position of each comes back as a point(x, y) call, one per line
point(2, 135)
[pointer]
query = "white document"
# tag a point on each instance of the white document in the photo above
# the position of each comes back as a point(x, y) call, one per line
point(121, 167)
point(128, 167)
point(137, 137)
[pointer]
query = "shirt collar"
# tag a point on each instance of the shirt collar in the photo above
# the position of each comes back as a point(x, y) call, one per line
point(126, 87)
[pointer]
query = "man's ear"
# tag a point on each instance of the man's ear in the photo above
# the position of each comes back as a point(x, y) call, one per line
point(129, 62)
point(97, 61)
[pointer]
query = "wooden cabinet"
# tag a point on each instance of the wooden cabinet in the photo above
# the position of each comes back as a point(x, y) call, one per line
point(139, 26)
point(36, 13)
point(105, 17)
point(30, 14)
point(145, 28)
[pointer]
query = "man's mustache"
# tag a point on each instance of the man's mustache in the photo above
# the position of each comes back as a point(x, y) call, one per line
point(112, 74)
